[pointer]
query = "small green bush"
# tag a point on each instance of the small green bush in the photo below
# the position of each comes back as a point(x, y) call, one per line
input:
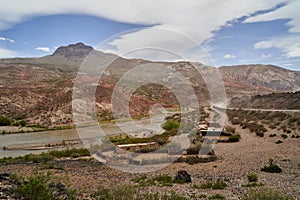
point(278, 142)
point(131, 192)
point(35, 188)
point(230, 129)
point(171, 124)
point(284, 136)
point(193, 160)
point(267, 194)
point(273, 135)
point(139, 179)
point(163, 180)
point(252, 177)
point(219, 184)
point(216, 196)
point(53, 166)
point(259, 133)
point(253, 184)
point(75, 153)
point(271, 168)
point(160, 180)
point(234, 138)
point(4, 121)
point(46, 157)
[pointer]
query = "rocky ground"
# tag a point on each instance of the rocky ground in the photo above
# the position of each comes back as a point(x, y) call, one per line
point(236, 160)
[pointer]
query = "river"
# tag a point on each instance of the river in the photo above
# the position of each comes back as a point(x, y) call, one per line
point(149, 126)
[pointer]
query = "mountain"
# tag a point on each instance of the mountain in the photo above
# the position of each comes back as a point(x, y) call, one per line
point(39, 90)
point(74, 50)
point(289, 100)
point(259, 79)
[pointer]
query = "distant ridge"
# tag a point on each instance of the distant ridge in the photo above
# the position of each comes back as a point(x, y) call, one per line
point(266, 78)
point(40, 89)
point(289, 101)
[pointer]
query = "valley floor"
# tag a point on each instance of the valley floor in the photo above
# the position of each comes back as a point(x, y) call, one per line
point(236, 160)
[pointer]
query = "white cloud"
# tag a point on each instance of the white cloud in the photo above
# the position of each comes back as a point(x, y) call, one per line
point(45, 49)
point(5, 53)
point(289, 45)
point(229, 56)
point(263, 45)
point(289, 11)
point(197, 19)
point(266, 55)
point(287, 65)
point(7, 39)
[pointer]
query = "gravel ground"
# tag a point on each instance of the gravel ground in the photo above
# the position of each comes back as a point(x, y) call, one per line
point(235, 161)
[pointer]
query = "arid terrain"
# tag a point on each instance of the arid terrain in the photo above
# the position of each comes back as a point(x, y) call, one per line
point(39, 90)
point(262, 123)
point(235, 162)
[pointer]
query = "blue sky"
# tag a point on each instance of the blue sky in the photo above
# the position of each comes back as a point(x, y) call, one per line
point(229, 32)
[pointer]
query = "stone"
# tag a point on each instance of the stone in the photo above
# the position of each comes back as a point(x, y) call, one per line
point(4, 176)
point(183, 176)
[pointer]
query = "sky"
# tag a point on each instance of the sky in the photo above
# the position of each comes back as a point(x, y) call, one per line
point(214, 32)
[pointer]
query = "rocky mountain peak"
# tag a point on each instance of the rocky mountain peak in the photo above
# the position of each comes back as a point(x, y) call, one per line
point(73, 50)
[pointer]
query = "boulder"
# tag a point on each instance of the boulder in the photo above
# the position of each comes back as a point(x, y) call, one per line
point(183, 176)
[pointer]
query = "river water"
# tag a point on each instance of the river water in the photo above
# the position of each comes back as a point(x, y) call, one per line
point(143, 129)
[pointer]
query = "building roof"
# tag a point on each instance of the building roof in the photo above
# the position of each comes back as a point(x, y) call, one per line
point(134, 145)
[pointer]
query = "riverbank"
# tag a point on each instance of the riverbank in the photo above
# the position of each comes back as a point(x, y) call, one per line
point(30, 129)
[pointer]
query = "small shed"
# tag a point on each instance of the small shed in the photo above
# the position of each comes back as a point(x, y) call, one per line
point(137, 147)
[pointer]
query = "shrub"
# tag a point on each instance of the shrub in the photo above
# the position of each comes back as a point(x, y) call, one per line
point(230, 129)
point(75, 153)
point(267, 194)
point(219, 184)
point(253, 184)
point(193, 160)
point(235, 121)
point(121, 192)
point(260, 134)
point(52, 166)
point(46, 157)
point(43, 157)
point(271, 168)
point(160, 180)
point(234, 138)
point(273, 135)
point(278, 142)
point(4, 121)
point(216, 196)
point(139, 179)
point(163, 180)
point(193, 149)
point(35, 188)
point(284, 136)
point(171, 124)
point(252, 177)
